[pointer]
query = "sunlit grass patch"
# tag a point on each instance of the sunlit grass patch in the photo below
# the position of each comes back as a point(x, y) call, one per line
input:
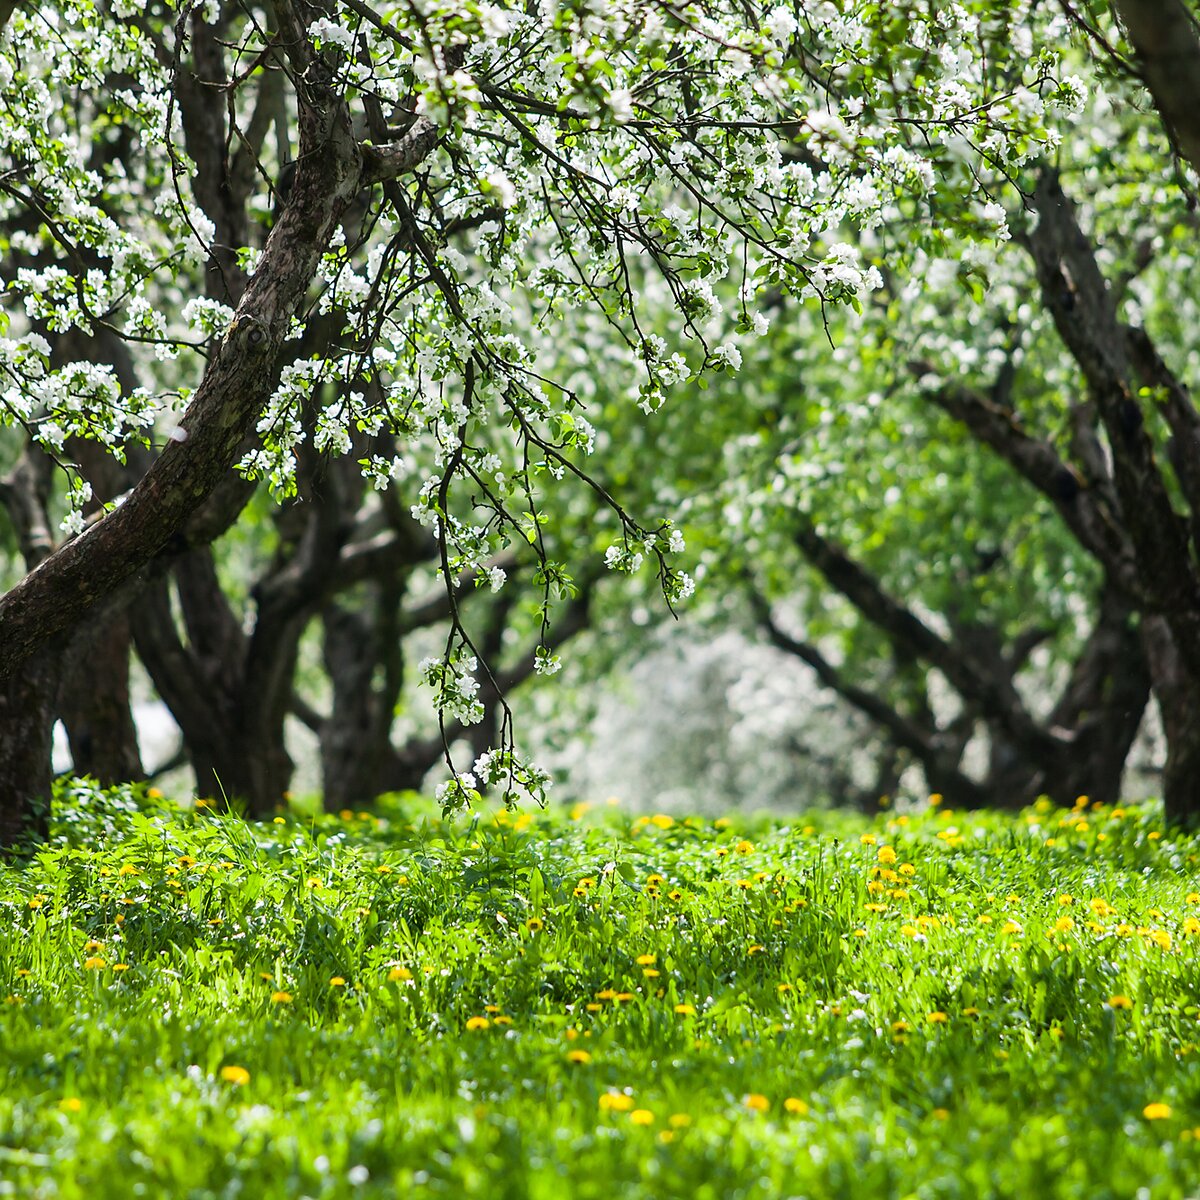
point(534, 1004)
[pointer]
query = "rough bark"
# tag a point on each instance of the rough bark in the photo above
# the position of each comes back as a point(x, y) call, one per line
point(26, 725)
point(365, 663)
point(1078, 298)
point(1179, 705)
point(27, 696)
point(1166, 38)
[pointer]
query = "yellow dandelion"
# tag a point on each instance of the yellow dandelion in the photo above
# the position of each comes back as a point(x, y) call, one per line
point(646, 960)
point(744, 847)
point(1156, 1111)
point(795, 1106)
point(476, 1023)
point(615, 1102)
point(238, 1076)
point(686, 1010)
point(886, 855)
point(579, 1057)
point(337, 981)
point(1119, 1002)
point(642, 1116)
point(399, 974)
point(281, 997)
point(757, 1102)
point(94, 964)
point(936, 1018)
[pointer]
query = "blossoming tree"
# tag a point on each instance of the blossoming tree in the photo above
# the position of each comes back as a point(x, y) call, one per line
point(978, 480)
point(242, 233)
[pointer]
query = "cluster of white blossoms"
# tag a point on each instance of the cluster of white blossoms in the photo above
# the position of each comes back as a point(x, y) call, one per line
point(452, 678)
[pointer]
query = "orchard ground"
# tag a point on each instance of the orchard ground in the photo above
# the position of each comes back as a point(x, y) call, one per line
point(586, 1004)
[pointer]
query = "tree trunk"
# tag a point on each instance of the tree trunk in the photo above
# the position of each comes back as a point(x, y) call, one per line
point(251, 774)
point(1181, 777)
point(354, 738)
point(93, 703)
point(1178, 695)
point(26, 733)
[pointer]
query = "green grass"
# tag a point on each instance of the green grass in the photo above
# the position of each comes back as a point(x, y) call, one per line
point(745, 1027)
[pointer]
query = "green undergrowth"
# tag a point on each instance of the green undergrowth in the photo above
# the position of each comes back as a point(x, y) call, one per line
point(586, 1004)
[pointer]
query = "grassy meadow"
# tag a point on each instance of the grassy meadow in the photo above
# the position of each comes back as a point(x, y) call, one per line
point(587, 1004)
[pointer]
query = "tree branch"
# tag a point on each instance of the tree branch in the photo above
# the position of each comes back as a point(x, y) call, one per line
point(997, 697)
point(1086, 506)
point(1075, 292)
point(1164, 36)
